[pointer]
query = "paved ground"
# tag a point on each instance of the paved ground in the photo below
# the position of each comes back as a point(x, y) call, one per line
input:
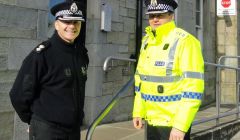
point(236, 137)
point(125, 130)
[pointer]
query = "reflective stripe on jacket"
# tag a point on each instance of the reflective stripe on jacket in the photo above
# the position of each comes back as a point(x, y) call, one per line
point(169, 81)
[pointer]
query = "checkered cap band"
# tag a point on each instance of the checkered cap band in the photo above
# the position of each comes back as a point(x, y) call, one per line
point(68, 12)
point(172, 98)
point(159, 7)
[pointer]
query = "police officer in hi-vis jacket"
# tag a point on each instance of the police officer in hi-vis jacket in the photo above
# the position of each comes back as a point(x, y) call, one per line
point(169, 79)
point(49, 90)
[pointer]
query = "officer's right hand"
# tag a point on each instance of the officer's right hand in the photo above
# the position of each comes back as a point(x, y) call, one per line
point(28, 128)
point(137, 122)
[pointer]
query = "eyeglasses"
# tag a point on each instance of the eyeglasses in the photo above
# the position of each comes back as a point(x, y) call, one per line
point(152, 16)
point(70, 21)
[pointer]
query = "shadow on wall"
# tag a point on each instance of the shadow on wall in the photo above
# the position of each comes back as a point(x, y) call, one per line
point(227, 19)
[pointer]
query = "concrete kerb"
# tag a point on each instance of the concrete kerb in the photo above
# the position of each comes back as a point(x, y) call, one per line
point(223, 132)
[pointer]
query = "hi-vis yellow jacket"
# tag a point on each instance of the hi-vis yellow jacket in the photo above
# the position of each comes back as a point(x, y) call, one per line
point(169, 80)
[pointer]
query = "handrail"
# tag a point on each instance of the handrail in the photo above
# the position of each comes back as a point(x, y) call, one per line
point(123, 90)
point(105, 65)
point(218, 89)
point(107, 109)
point(222, 66)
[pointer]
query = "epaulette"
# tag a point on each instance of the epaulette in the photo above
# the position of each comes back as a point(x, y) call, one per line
point(181, 33)
point(43, 46)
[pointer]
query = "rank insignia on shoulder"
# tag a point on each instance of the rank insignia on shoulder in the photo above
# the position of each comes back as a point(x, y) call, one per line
point(40, 48)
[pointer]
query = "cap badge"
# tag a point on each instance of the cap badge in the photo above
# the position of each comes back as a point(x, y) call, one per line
point(153, 2)
point(74, 8)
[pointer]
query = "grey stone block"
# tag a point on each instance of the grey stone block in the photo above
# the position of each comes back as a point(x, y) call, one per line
point(94, 82)
point(98, 53)
point(17, 17)
point(5, 87)
point(132, 45)
point(115, 10)
point(123, 11)
point(129, 25)
point(6, 125)
point(117, 26)
point(94, 106)
point(42, 25)
point(118, 38)
point(108, 88)
point(8, 2)
point(185, 18)
point(4, 45)
point(19, 49)
point(131, 13)
point(35, 4)
point(93, 9)
point(131, 4)
point(17, 32)
point(5, 104)
point(123, 109)
point(3, 61)
point(123, 49)
point(7, 76)
point(114, 74)
point(123, 3)
point(94, 34)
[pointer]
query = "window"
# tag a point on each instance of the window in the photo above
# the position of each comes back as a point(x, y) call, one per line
point(199, 20)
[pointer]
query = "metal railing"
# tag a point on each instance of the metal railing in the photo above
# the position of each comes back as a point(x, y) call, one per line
point(219, 115)
point(125, 88)
point(111, 58)
point(108, 108)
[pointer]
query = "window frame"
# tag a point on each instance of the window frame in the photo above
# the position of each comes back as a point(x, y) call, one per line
point(199, 27)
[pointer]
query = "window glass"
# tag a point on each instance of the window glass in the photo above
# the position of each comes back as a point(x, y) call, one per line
point(198, 5)
point(199, 19)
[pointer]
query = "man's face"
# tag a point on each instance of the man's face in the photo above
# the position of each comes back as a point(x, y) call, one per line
point(156, 20)
point(68, 30)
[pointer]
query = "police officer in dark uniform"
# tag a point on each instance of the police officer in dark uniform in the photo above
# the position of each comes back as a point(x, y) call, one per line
point(49, 90)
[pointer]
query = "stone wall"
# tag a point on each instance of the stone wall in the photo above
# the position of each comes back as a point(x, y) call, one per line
point(120, 41)
point(23, 24)
point(227, 46)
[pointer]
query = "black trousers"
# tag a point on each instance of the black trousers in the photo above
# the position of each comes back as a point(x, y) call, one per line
point(162, 133)
point(42, 130)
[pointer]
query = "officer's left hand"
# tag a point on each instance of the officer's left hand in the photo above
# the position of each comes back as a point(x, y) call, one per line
point(176, 134)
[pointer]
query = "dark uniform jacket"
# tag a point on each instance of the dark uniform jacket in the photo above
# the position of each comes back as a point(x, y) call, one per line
point(51, 83)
